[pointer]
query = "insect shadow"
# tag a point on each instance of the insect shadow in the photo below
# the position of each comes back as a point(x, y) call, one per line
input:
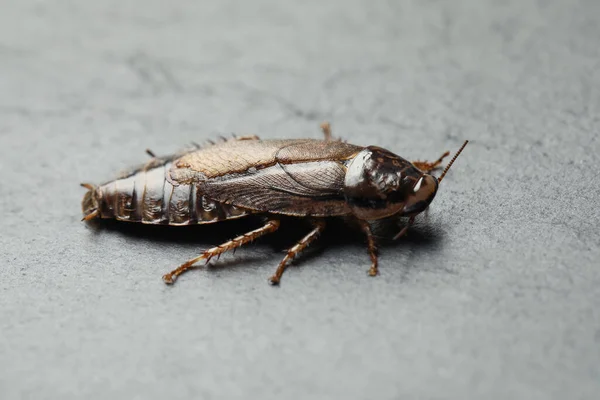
point(338, 235)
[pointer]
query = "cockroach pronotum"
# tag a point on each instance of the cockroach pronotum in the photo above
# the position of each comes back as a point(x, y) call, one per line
point(241, 176)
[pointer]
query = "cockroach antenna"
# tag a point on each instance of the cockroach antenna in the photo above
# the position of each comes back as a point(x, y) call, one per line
point(452, 161)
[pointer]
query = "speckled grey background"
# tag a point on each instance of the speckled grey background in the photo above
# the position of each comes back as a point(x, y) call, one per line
point(494, 295)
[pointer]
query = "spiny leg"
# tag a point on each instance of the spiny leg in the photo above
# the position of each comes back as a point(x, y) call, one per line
point(373, 271)
point(196, 146)
point(223, 139)
point(403, 231)
point(271, 226)
point(91, 216)
point(326, 128)
point(93, 212)
point(427, 166)
point(319, 226)
point(246, 137)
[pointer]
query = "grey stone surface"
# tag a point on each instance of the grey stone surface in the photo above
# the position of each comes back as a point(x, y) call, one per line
point(494, 295)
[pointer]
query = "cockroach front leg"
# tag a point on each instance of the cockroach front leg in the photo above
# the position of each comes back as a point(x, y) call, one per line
point(271, 226)
point(403, 231)
point(319, 227)
point(373, 271)
point(427, 166)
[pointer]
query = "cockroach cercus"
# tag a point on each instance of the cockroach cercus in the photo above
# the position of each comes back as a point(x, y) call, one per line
point(305, 178)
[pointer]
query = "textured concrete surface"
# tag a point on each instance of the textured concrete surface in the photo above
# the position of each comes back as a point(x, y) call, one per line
point(494, 295)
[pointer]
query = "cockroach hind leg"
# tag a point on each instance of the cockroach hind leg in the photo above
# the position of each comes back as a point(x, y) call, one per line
point(89, 204)
point(270, 226)
point(223, 139)
point(247, 137)
point(92, 215)
point(236, 138)
point(319, 227)
point(427, 166)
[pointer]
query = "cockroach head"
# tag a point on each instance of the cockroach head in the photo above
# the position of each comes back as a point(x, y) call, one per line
point(380, 184)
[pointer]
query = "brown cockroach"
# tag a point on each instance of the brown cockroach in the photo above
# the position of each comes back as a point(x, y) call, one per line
point(304, 178)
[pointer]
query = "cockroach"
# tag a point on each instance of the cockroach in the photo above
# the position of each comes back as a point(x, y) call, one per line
point(242, 176)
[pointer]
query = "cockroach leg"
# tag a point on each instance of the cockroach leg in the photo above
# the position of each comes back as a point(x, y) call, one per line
point(247, 137)
point(403, 231)
point(150, 153)
point(90, 202)
point(326, 128)
point(235, 138)
point(373, 271)
point(271, 226)
point(319, 227)
point(427, 166)
point(91, 216)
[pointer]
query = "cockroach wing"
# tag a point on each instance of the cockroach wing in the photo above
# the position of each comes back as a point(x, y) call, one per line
point(293, 177)
point(313, 188)
point(243, 155)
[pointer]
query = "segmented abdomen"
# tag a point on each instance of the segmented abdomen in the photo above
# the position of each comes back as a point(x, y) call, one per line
point(147, 196)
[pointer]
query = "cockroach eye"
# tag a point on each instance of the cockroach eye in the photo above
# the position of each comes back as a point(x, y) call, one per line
point(423, 194)
point(418, 185)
